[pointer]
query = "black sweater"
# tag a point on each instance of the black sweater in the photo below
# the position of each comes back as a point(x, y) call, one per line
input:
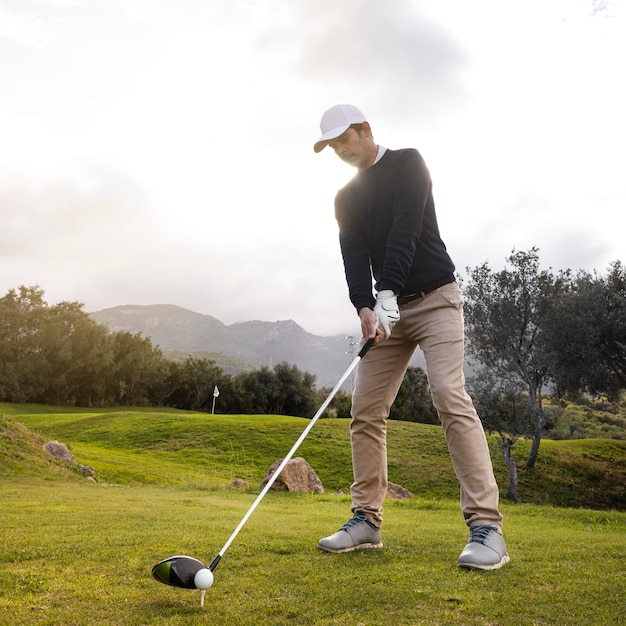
point(388, 230)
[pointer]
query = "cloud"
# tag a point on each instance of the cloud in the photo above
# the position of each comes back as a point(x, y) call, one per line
point(28, 27)
point(93, 235)
point(387, 52)
point(161, 152)
point(604, 8)
point(90, 220)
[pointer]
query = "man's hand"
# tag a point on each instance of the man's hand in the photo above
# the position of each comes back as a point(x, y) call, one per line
point(369, 325)
point(386, 310)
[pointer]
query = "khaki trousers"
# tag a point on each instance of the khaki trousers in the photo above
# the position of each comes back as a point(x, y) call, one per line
point(435, 324)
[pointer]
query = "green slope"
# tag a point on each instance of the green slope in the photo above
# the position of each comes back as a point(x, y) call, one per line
point(22, 453)
point(210, 451)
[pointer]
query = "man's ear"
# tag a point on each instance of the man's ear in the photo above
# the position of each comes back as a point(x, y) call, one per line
point(367, 129)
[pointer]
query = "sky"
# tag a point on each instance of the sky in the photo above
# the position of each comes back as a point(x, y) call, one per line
point(161, 151)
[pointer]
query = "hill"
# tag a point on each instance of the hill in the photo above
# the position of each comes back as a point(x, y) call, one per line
point(184, 448)
point(22, 453)
point(237, 347)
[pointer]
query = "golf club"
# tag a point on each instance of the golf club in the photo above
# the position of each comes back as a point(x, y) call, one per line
point(189, 573)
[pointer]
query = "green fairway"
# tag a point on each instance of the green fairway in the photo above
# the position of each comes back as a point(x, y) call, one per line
point(77, 552)
point(82, 554)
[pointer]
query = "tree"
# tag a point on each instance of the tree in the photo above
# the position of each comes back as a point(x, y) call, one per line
point(294, 391)
point(76, 355)
point(136, 371)
point(508, 314)
point(49, 354)
point(414, 402)
point(199, 377)
point(589, 335)
point(339, 406)
point(256, 390)
point(21, 318)
point(168, 392)
point(285, 390)
point(612, 343)
point(505, 411)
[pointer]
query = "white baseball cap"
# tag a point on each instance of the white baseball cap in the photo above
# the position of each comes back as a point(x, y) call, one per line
point(336, 121)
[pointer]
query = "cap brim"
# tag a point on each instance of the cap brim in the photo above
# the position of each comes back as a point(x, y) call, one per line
point(322, 142)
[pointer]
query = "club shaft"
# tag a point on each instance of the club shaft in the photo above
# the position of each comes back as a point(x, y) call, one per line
point(279, 469)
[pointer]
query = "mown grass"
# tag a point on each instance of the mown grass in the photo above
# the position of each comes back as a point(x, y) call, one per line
point(74, 552)
point(196, 449)
point(82, 554)
point(182, 447)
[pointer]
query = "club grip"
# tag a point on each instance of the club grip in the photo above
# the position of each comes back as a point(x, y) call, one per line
point(366, 346)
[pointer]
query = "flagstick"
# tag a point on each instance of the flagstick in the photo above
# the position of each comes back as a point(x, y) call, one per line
point(215, 394)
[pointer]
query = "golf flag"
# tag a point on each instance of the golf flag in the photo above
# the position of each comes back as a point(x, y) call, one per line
point(216, 392)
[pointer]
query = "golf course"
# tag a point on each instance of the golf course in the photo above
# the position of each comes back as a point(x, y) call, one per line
point(79, 551)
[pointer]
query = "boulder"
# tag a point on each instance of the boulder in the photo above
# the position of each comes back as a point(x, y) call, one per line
point(59, 451)
point(397, 492)
point(297, 476)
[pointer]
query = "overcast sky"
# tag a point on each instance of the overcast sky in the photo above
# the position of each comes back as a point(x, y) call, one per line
point(161, 151)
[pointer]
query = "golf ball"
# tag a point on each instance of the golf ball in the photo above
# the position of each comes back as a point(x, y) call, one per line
point(203, 578)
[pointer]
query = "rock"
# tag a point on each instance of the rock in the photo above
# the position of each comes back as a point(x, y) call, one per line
point(297, 476)
point(87, 470)
point(59, 451)
point(397, 492)
point(239, 483)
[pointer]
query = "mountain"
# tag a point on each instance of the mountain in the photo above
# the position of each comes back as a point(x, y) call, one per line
point(244, 345)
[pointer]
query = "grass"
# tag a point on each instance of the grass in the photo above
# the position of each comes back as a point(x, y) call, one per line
point(196, 449)
point(75, 552)
point(81, 554)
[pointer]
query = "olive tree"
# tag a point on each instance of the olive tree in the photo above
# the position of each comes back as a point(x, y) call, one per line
point(504, 410)
point(508, 314)
point(589, 334)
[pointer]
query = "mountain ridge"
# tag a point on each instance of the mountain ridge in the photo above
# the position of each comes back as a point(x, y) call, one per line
point(235, 347)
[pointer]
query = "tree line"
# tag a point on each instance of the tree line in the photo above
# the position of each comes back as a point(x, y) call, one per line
point(58, 355)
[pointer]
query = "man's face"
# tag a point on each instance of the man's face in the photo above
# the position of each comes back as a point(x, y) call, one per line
point(357, 148)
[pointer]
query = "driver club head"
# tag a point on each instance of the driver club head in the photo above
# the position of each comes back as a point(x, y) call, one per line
point(178, 571)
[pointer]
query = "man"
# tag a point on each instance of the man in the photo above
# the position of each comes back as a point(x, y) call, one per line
point(388, 230)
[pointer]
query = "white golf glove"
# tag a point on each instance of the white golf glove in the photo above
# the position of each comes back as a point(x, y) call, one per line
point(386, 310)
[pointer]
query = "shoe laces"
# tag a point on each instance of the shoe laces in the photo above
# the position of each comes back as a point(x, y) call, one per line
point(355, 520)
point(480, 532)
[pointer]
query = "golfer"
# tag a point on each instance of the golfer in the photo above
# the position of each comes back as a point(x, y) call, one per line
point(388, 231)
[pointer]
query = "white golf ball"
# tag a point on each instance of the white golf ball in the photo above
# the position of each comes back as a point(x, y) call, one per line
point(203, 578)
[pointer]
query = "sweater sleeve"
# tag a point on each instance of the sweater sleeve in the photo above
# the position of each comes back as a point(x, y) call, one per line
point(356, 256)
point(411, 190)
